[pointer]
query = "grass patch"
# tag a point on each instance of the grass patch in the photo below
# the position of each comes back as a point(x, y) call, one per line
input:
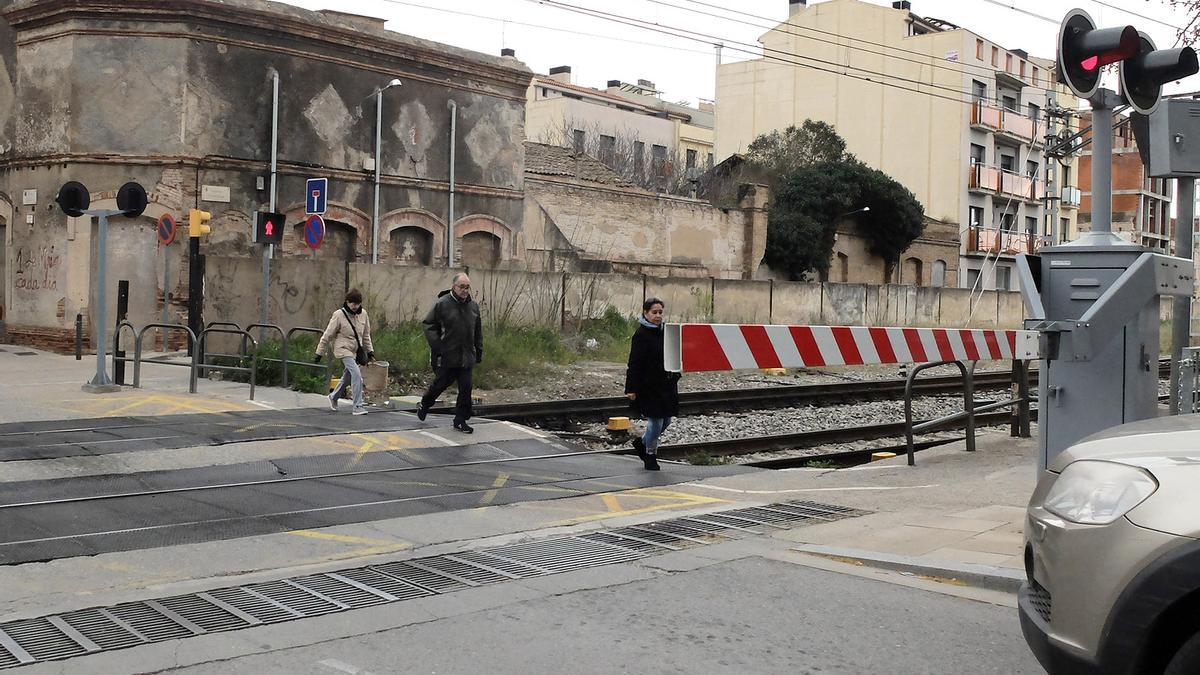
point(611, 333)
point(704, 458)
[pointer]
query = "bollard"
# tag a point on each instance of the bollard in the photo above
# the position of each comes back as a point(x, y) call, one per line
point(122, 313)
point(78, 337)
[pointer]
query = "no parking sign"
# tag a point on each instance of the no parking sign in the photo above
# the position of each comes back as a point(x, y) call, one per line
point(166, 229)
point(314, 231)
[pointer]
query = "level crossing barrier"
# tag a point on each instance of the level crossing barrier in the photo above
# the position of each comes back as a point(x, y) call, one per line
point(695, 347)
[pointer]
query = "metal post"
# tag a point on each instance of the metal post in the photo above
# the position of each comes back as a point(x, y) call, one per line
point(78, 337)
point(969, 403)
point(450, 220)
point(1102, 124)
point(1053, 188)
point(122, 313)
point(269, 249)
point(166, 288)
point(1181, 317)
point(195, 291)
point(101, 380)
point(378, 162)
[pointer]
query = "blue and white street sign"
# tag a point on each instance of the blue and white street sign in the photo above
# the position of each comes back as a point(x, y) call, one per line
point(314, 200)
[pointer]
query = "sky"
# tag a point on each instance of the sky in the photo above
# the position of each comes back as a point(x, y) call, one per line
point(601, 49)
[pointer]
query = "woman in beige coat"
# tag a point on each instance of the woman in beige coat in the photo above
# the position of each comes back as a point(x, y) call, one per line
point(349, 331)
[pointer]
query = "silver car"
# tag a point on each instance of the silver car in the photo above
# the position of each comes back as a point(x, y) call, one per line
point(1111, 553)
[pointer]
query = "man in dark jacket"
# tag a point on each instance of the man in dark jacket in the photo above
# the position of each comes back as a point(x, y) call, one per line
point(455, 335)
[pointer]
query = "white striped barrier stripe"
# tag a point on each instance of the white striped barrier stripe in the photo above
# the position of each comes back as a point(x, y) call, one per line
point(694, 347)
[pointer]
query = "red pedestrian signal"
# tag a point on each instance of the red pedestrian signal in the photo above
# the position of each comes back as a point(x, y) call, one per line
point(268, 228)
point(1083, 50)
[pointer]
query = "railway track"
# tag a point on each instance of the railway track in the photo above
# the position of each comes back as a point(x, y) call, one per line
point(553, 414)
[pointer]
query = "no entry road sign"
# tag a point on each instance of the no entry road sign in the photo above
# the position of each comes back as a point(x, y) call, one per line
point(166, 229)
point(314, 231)
point(314, 200)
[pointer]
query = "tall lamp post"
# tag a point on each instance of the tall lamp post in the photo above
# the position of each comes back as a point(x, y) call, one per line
point(378, 94)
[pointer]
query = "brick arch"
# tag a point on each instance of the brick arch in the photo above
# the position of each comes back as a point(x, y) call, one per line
point(484, 223)
point(358, 221)
point(412, 217)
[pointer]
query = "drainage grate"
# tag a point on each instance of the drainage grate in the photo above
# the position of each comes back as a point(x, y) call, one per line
point(63, 636)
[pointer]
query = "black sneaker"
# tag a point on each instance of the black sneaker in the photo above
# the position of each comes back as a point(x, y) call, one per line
point(650, 462)
point(640, 446)
point(422, 411)
point(464, 427)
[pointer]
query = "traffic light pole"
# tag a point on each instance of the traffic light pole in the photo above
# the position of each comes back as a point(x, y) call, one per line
point(195, 290)
point(1102, 124)
point(1181, 325)
point(100, 383)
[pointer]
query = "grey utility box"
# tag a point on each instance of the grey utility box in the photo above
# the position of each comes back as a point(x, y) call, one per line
point(1097, 306)
point(1174, 138)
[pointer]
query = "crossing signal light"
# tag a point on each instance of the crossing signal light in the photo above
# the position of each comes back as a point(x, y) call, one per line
point(131, 199)
point(198, 222)
point(73, 198)
point(268, 228)
point(1083, 50)
point(1144, 73)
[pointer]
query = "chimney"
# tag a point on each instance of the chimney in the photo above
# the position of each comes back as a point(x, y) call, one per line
point(613, 86)
point(794, 6)
point(561, 74)
point(511, 53)
point(902, 4)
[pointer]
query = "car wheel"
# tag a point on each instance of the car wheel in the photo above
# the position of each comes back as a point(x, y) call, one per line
point(1187, 659)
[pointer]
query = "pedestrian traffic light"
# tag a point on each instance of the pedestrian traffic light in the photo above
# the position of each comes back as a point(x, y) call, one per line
point(73, 198)
point(132, 200)
point(1083, 50)
point(268, 228)
point(198, 222)
point(1144, 73)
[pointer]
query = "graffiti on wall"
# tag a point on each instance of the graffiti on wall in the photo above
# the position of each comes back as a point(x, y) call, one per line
point(37, 270)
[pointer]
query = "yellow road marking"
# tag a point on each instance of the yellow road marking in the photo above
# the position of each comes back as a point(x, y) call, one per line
point(610, 500)
point(369, 546)
point(491, 494)
point(614, 508)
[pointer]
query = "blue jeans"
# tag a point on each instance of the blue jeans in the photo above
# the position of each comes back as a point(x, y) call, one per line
point(655, 426)
point(355, 383)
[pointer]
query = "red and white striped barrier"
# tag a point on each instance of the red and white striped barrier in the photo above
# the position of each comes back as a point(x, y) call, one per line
point(694, 347)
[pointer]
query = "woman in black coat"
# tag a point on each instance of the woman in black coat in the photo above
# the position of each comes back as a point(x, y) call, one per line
point(653, 390)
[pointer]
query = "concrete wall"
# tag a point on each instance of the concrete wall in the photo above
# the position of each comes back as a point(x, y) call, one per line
point(302, 292)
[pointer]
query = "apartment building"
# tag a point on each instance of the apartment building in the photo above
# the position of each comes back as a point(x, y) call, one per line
point(629, 127)
point(1141, 205)
point(955, 117)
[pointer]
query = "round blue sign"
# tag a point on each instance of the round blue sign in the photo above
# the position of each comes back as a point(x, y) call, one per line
point(314, 231)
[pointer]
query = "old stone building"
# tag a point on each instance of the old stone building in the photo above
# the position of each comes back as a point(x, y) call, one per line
point(178, 96)
point(580, 215)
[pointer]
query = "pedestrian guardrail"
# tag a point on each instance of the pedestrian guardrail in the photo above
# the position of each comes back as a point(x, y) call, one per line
point(252, 370)
point(286, 351)
point(163, 360)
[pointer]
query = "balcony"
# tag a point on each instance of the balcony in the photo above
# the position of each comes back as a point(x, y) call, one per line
point(1071, 197)
point(1004, 183)
point(985, 116)
point(1040, 129)
point(984, 178)
point(1016, 125)
point(1000, 242)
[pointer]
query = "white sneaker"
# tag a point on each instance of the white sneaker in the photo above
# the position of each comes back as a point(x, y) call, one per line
point(332, 402)
point(359, 411)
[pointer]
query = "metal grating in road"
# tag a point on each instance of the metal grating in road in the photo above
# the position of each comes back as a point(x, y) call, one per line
point(87, 631)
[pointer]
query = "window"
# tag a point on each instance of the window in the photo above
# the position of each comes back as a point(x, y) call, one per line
point(1008, 222)
point(1035, 113)
point(658, 160)
point(1008, 162)
point(608, 149)
point(979, 91)
point(1004, 278)
point(1035, 76)
point(995, 56)
point(975, 217)
point(972, 278)
point(1022, 70)
point(1010, 103)
point(1031, 225)
point(939, 274)
point(1031, 169)
point(1008, 63)
point(979, 49)
point(978, 154)
point(1064, 229)
point(579, 137)
point(1066, 176)
point(639, 160)
point(710, 160)
point(691, 158)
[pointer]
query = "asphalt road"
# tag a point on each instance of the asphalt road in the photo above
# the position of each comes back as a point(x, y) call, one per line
point(752, 615)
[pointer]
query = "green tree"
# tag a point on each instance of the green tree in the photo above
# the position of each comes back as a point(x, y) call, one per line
point(810, 200)
point(779, 153)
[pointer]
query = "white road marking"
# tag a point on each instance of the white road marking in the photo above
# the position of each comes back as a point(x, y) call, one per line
point(263, 405)
point(527, 430)
point(440, 439)
point(343, 667)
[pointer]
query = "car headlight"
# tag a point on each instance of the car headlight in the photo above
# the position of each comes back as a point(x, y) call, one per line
point(1092, 492)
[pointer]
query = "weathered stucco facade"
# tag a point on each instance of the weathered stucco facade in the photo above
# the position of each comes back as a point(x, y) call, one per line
point(177, 95)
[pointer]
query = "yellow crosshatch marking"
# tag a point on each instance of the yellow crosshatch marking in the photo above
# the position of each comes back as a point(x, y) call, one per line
point(138, 403)
point(376, 442)
point(496, 485)
point(366, 546)
point(634, 502)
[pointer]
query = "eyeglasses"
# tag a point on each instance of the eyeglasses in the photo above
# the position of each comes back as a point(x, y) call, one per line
point(465, 287)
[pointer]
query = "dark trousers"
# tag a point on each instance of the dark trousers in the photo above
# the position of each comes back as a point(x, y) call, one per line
point(446, 376)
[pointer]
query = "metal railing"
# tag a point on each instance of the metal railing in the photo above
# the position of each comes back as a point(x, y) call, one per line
point(1021, 422)
point(252, 370)
point(163, 360)
point(287, 341)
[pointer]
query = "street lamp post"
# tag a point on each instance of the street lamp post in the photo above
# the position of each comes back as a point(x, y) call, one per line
point(378, 163)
